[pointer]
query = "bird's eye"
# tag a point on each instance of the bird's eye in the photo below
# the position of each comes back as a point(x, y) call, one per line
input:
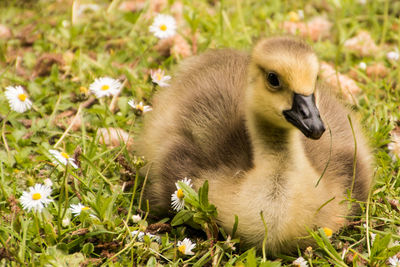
point(273, 80)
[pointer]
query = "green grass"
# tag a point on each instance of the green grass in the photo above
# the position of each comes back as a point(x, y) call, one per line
point(115, 43)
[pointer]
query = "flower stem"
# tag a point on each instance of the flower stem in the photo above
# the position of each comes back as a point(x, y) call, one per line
point(264, 243)
point(35, 216)
point(63, 193)
point(3, 134)
point(113, 103)
point(69, 126)
point(65, 185)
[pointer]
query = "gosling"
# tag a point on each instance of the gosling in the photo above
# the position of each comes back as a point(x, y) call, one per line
point(254, 126)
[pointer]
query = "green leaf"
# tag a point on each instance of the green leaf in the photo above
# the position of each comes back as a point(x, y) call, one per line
point(132, 17)
point(203, 260)
point(181, 217)
point(191, 197)
point(152, 262)
point(324, 243)
point(192, 202)
point(187, 190)
point(200, 218)
point(62, 247)
point(8, 160)
point(203, 195)
point(251, 260)
point(380, 245)
point(270, 264)
point(88, 248)
point(235, 226)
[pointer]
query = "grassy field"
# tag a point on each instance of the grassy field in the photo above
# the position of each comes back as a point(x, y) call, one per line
point(56, 49)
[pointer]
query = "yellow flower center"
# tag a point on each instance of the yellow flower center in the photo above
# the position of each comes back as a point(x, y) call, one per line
point(36, 196)
point(64, 155)
point(294, 17)
point(328, 232)
point(182, 249)
point(85, 208)
point(105, 87)
point(22, 97)
point(163, 27)
point(139, 107)
point(159, 76)
point(83, 90)
point(179, 194)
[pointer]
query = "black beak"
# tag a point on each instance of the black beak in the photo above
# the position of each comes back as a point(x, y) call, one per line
point(305, 116)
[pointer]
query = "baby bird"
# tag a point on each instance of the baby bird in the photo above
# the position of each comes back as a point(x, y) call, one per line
point(254, 126)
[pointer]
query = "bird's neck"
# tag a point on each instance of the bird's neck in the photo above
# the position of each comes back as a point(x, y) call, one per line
point(274, 145)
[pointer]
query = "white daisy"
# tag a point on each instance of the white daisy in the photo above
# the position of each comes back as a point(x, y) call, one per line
point(164, 26)
point(159, 77)
point(393, 55)
point(301, 262)
point(139, 106)
point(76, 209)
point(105, 86)
point(136, 218)
point(18, 99)
point(362, 65)
point(394, 261)
point(177, 198)
point(63, 158)
point(186, 246)
point(37, 198)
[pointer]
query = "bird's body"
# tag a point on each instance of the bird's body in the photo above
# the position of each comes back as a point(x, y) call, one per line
point(219, 121)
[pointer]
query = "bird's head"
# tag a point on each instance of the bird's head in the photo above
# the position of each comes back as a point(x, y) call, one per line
point(282, 79)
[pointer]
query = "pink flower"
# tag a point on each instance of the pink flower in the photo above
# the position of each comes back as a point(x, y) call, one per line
point(319, 28)
point(362, 44)
point(377, 70)
point(177, 46)
point(316, 29)
point(348, 86)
